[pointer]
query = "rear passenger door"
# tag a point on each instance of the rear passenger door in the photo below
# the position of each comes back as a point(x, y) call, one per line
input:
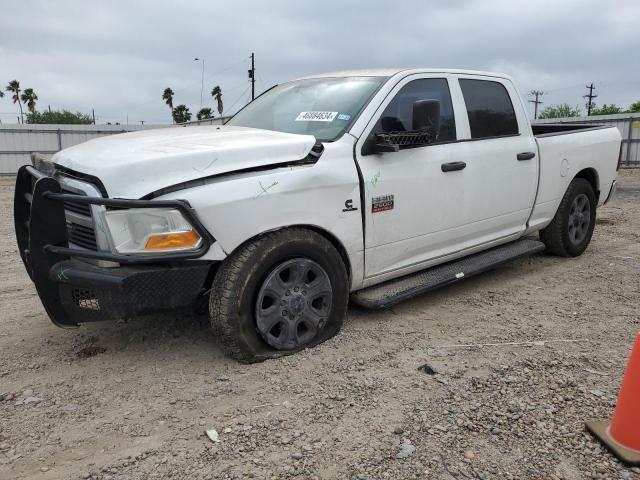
point(500, 154)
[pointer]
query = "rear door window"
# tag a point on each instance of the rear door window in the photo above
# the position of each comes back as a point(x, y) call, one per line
point(489, 108)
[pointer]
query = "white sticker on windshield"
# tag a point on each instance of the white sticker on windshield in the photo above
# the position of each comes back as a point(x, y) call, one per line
point(316, 116)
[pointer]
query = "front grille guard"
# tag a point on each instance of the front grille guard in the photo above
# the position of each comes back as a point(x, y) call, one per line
point(42, 236)
point(45, 196)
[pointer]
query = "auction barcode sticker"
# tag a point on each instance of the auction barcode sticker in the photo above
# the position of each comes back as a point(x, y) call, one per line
point(316, 116)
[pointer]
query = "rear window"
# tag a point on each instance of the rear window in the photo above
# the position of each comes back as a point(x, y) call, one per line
point(489, 107)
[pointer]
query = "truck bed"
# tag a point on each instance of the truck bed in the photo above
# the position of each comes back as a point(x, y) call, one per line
point(566, 151)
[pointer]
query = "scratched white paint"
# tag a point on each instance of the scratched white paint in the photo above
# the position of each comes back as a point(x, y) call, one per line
point(168, 156)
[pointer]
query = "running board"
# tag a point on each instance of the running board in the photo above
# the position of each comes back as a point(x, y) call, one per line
point(399, 289)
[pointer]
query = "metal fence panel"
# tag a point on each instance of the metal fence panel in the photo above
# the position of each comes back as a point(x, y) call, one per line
point(627, 123)
point(17, 142)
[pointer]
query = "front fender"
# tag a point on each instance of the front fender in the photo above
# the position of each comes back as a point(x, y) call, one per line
point(238, 207)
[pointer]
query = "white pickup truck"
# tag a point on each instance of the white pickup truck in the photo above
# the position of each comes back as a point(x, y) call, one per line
point(373, 185)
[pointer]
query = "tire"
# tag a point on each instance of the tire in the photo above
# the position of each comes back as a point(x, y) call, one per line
point(570, 231)
point(252, 279)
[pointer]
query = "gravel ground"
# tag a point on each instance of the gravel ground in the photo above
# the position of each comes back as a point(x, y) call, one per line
point(133, 400)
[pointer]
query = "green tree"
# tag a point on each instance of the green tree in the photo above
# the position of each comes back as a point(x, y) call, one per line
point(559, 111)
point(181, 114)
point(167, 96)
point(29, 98)
point(217, 94)
point(14, 87)
point(634, 107)
point(1, 94)
point(59, 117)
point(204, 113)
point(606, 110)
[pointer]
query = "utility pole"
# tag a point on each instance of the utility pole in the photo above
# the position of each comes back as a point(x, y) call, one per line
point(590, 96)
point(202, 78)
point(536, 102)
point(252, 76)
point(93, 114)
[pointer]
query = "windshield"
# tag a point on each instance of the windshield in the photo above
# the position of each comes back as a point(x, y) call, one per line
point(322, 107)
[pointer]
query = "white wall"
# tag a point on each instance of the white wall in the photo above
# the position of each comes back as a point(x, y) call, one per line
point(17, 142)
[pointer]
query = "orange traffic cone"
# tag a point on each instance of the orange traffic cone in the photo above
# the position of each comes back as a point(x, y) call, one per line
point(622, 436)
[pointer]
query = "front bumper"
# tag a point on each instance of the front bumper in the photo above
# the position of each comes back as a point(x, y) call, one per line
point(73, 291)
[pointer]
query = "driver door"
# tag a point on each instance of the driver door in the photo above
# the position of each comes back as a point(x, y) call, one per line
point(414, 210)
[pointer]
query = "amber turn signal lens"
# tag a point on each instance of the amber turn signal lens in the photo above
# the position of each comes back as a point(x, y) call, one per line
point(172, 241)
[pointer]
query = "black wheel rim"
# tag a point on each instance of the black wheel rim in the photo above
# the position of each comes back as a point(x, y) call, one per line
point(293, 304)
point(579, 219)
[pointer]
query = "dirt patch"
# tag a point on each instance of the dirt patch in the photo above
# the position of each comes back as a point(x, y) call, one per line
point(551, 337)
point(90, 351)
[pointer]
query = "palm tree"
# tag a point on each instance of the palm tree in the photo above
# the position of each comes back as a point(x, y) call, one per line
point(181, 114)
point(167, 96)
point(217, 94)
point(29, 97)
point(204, 113)
point(14, 86)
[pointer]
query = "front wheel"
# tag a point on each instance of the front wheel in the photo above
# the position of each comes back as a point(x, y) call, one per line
point(570, 231)
point(278, 294)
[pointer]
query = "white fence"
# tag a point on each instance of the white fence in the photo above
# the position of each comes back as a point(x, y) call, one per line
point(17, 142)
point(208, 121)
point(627, 123)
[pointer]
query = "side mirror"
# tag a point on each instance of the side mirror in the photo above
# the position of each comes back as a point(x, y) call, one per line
point(372, 145)
point(426, 115)
point(425, 129)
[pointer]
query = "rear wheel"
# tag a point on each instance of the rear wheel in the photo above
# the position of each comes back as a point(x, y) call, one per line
point(278, 294)
point(570, 231)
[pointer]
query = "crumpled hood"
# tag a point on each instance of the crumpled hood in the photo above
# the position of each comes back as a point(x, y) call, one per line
point(132, 165)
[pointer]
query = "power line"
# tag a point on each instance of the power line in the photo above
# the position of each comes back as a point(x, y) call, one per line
point(262, 82)
point(536, 102)
point(590, 96)
point(239, 98)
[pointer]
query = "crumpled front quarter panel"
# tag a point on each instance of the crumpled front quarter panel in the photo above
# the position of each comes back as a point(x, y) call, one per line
point(238, 207)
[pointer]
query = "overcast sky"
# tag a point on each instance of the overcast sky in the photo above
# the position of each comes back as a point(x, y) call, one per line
point(118, 56)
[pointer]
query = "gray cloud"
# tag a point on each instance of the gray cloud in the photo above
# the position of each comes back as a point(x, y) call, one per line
point(118, 56)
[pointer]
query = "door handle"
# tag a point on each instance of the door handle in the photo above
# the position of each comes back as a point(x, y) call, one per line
point(526, 156)
point(452, 166)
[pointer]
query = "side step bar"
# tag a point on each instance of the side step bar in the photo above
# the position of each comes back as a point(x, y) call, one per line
point(399, 289)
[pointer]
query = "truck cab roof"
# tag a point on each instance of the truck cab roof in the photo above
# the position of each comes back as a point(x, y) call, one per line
point(390, 72)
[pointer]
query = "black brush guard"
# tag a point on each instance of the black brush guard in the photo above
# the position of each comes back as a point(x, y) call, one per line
point(74, 291)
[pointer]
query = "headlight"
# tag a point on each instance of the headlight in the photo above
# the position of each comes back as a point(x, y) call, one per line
point(150, 230)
